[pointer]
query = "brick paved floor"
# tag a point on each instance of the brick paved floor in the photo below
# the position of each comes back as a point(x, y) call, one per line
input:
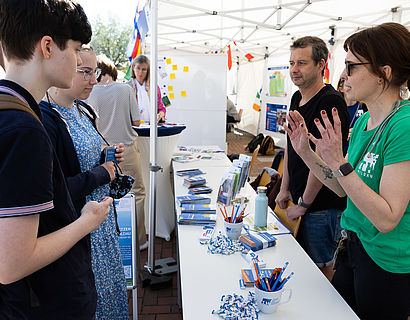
point(162, 304)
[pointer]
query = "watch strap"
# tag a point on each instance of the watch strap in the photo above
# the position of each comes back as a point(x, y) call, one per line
point(303, 204)
point(343, 170)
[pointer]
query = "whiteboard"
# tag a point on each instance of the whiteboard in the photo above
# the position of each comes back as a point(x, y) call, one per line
point(196, 88)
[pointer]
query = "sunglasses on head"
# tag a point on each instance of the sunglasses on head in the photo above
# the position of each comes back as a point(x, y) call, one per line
point(350, 65)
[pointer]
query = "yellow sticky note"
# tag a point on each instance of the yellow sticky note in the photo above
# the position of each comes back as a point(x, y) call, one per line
point(174, 67)
point(186, 69)
point(183, 93)
point(168, 61)
point(171, 95)
point(172, 76)
point(170, 88)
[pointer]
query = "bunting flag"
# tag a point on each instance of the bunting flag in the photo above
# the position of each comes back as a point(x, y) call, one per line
point(257, 104)
point(326, 75)
point(247, 55)
point(229, 57)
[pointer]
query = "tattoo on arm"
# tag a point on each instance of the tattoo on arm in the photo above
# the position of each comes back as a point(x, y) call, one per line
point(326, 171)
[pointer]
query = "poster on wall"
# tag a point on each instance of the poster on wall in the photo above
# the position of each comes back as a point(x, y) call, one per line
point(275, 99)
point(277, 78)
point(275, 117)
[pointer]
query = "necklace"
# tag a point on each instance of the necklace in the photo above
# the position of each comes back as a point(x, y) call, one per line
point(64, 118)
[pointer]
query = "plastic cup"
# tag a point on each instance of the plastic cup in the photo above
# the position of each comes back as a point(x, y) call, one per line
point(268, 301)
point(233, 230)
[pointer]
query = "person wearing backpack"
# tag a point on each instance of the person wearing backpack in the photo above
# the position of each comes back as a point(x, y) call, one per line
point(319, 207)
point(45, 260)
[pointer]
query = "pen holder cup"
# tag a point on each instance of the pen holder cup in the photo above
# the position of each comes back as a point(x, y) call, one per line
point(233, 230)
point(268, 301)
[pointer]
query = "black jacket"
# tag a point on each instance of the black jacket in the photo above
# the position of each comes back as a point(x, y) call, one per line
point(79, 183)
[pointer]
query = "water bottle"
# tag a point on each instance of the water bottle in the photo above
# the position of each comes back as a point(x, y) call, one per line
point(261, 208)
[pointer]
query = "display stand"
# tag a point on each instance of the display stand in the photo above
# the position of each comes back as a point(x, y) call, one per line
point(127, 240)
point(168, 136)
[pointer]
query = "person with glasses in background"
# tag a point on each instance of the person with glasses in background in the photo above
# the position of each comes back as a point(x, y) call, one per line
point(140, 82)
point(70, 124)
point(373, 263)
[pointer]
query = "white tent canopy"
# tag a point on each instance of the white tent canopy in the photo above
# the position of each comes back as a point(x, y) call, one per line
point(265, 29)
point(266, 26)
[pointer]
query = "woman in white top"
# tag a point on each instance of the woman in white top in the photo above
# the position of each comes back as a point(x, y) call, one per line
point(140, 82)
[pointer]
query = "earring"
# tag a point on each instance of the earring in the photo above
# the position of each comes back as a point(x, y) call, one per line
point(380, 81)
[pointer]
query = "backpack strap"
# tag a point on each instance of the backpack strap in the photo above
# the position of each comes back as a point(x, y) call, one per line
point(13, 103)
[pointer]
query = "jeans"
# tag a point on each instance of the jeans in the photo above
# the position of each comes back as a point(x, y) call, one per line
point(321, 234)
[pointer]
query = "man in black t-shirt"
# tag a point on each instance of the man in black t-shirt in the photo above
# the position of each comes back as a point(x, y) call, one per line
point(45, 253)
point(319, 207)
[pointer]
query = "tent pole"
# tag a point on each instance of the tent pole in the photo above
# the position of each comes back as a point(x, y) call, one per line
point(153, 134)
point(155, 280)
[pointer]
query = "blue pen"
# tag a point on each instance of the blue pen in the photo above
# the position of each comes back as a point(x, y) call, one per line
point(284, 281)
point(237, 210)
point(278, 278)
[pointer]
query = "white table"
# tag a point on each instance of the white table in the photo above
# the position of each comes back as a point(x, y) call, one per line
point(204, 277)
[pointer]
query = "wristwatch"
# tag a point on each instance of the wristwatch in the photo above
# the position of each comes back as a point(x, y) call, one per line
point(343, 170)
point(303, 204)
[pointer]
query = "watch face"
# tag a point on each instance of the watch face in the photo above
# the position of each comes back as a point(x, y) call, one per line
point(346, 168)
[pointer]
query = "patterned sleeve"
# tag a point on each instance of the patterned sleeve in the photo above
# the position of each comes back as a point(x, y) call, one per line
point(25, 172)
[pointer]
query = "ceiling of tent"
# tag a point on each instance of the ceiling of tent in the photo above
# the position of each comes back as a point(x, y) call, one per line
point(261, 27)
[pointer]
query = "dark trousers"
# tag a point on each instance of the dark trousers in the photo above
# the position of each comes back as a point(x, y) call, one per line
point(371, 292)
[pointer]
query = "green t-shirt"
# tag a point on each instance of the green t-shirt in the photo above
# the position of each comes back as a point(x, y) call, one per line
point(391, 250)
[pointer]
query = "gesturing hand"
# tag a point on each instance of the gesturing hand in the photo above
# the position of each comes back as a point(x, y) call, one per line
point(330, 144)
point(297, 132)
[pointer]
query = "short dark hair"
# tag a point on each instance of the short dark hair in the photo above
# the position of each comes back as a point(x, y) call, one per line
point(24, 22)
point(385, 44)
point(319, 49)
point(107, 67)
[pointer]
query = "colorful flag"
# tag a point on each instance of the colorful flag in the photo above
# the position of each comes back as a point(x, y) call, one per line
point(257, 104)
point(229, 57)
point(138, 35)
point(326, 75)
point(247, 55)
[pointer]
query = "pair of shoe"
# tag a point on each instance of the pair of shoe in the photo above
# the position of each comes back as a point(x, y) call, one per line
point(144, 246)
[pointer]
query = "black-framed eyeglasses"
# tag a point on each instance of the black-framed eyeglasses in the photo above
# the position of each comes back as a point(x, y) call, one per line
point(88, 73)
point(350, 65)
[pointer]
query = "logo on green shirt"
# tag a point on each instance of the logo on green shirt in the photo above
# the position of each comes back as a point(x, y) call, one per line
point(367, 165)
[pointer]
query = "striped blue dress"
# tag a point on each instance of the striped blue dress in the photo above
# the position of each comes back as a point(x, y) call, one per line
point(106, 259)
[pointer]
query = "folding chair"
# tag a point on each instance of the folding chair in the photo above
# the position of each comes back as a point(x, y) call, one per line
point(254, 155)
point(291, 225)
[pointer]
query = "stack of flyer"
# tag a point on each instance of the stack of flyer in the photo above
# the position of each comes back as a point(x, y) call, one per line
point(193, 199)
point(198, 208)
point(197, 218)
point(193, 182)
point(200, 190)
point(189, 172)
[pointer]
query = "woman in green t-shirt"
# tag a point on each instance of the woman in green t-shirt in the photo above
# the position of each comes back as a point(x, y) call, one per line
point(373, 269)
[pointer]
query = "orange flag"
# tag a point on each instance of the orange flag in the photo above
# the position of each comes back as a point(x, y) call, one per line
point(229, 57)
